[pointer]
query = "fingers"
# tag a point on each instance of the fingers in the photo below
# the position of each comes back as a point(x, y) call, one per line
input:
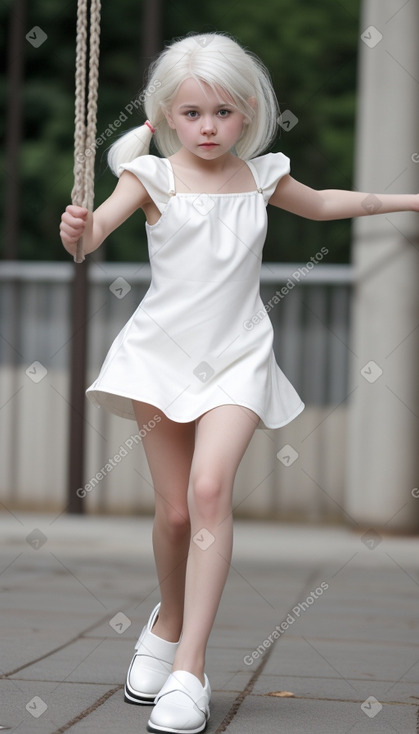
point(73, 223)
point(77, 211)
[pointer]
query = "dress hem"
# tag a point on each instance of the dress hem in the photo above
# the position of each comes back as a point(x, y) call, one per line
point(90, 392)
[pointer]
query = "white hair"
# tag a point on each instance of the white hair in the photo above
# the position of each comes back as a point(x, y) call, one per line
point(217, 60)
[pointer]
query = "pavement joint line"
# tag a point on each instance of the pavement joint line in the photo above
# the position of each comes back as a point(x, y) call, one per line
point(401, 678)
point(67, 682)
point(64, 680)
point(77, 637)
point(330, 677)
point(340, 700)
point(356, 640)
point(99, 702)
point(234, 708)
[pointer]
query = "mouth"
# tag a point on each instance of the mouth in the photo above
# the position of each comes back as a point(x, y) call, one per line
point(208, 145)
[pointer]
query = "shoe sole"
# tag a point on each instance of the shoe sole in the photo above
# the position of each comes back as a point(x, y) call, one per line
point(165, 730)
point(137, 698)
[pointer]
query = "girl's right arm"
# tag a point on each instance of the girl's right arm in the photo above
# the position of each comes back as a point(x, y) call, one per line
point(128, 196)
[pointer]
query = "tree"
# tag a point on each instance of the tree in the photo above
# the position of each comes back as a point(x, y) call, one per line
point(310, 50)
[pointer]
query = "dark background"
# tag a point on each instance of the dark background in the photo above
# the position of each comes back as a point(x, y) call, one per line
point(310, 49)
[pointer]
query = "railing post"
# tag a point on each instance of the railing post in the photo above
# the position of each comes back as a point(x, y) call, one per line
point(77, 388)
point(14, 129)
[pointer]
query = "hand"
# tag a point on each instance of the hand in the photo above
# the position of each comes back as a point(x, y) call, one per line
point(73, 224)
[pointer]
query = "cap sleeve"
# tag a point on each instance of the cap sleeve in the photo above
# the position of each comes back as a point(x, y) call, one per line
point(269, 170)
point(153, 174)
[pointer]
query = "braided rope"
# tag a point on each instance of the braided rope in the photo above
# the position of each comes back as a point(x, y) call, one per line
point(85, 109)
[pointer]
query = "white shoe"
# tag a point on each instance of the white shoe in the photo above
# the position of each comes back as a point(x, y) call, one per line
point(151, 665)
point(182, 705)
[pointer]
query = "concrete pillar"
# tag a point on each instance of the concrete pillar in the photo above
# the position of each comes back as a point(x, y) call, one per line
point(383, 435)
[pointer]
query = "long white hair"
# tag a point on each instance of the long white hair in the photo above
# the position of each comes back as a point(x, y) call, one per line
point(219, 61)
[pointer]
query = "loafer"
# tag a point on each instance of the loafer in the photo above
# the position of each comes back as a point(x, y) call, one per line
point(182, 705)
point(150, 666)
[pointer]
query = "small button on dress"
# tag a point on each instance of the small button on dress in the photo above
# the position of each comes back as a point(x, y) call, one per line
point(188, 347)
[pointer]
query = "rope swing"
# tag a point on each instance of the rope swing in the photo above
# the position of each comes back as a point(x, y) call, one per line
point(87, 77)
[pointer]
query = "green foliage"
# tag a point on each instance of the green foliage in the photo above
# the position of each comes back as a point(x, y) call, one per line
point(310, 48)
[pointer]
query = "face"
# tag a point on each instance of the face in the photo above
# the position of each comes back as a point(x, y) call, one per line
point(208, 124)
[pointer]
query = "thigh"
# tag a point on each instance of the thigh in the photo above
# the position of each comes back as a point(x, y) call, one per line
point(222, 437)
point(169, 449)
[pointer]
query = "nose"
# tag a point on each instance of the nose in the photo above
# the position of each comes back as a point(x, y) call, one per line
point(208, 125)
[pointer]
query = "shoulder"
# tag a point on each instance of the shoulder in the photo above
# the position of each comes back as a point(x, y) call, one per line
point(142, 164)
point(150, 170)
point(271, 161)
point(269, 170)
point(154, 174)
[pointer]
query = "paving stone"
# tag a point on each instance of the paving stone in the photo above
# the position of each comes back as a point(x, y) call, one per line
point(266, 714)
point(85, 660)
point(49, 705)
point(344, 659)
point(117, 716)
point(360, 639)
point(363, 626)
point(336, 688)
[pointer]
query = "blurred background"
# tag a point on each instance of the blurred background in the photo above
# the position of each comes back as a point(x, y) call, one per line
point(345, 328)
point(309, 49)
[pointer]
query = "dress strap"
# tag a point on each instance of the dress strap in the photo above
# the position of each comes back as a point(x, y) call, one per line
point(172, 187)
point(268, 169)
point(255, 175)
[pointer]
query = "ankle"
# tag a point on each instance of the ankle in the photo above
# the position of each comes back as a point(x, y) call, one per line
point(192, 664)
point(169, 631)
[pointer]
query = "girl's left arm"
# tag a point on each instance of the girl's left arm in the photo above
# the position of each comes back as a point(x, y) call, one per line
point(330, 204)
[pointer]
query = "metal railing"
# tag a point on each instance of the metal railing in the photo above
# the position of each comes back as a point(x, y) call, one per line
point(310, 312)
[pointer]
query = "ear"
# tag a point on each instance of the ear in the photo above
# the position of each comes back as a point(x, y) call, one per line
point(169, 118)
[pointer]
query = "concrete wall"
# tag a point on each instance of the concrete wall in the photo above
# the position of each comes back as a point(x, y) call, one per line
point(383, 429)
point(311, 337)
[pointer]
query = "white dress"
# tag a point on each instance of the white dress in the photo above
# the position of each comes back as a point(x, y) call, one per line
point(190, 345)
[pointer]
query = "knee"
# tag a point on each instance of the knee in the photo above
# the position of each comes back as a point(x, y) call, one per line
point(174, 520)
point(206, 494)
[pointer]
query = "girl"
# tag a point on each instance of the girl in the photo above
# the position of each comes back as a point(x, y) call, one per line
point(184, 364)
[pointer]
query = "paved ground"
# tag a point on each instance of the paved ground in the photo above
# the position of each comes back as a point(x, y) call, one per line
point(335, 613)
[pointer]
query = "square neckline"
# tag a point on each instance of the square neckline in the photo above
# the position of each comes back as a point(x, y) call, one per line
point(173, 192)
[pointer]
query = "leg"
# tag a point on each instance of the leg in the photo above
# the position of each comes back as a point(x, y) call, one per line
point(169, 449)
point(222, 437)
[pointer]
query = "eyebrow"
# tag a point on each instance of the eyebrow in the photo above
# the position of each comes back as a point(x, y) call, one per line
point(196, 106)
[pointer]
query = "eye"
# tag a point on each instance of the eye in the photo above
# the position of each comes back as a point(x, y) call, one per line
point(224, 113)
point(192, 114)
